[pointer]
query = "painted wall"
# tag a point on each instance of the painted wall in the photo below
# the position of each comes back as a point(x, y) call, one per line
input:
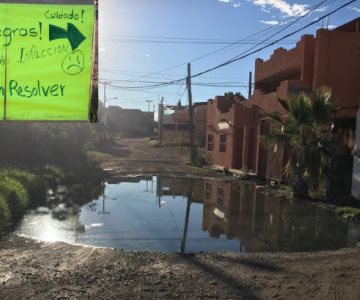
point(337, 65)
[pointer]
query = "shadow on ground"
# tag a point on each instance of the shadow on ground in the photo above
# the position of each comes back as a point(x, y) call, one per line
point(237, 287)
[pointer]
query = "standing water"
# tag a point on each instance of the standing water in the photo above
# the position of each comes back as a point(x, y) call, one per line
point(191, 215)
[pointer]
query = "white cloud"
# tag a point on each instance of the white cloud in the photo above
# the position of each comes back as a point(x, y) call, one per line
point(284, 7)
point(234, 4)
point(144, 54)
point(320, 9)
point(355, 8)
point(331, 26)
point(270, 22)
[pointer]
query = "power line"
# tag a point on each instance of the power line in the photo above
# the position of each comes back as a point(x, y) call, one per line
point(249, 42)
point(134, 73)
point(168, 38)
point(225, 47)
point(242, 56)
point(237, 58)
point(160, 82)
point(182, 95)
point(268, 39)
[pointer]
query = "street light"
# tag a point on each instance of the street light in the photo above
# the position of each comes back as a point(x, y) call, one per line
point(149, 101)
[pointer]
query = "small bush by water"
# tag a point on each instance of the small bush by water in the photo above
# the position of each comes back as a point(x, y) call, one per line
point(16, 196)
point(19, 191)
point(5, 214)
point(35, 185)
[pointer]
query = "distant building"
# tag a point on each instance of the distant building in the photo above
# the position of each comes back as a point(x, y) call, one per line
point(130, 122)
point(174, 123)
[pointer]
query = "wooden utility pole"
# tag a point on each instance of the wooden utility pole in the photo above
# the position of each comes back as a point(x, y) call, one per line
point(188, 204)
point(161, 109)
point(191, 116)
point(105, 112)
point(250, 85)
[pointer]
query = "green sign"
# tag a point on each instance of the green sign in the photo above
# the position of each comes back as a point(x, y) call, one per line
point(45, 61)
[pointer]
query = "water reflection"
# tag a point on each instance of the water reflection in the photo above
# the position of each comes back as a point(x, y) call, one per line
point(191, 215)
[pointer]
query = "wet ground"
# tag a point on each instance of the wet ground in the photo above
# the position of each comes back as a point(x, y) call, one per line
point(179, 214)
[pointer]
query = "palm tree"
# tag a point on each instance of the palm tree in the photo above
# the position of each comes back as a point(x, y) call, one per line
point(305, 132)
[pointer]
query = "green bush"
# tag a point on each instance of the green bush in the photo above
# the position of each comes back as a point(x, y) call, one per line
point(35, 185)
point(16, 196)
point(5, 214)
point(53, 175)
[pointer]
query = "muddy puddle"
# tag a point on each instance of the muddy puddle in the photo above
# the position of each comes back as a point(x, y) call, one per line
point(189, 215)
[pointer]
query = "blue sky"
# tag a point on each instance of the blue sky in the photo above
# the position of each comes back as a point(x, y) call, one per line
point(140, 39)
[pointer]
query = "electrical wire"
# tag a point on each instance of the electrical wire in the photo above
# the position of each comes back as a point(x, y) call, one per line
point(225, 47)
point(237, 58)
point(249, 42)
point(243, 54)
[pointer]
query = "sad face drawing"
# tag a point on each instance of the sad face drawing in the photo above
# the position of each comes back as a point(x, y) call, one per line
point(73, 63)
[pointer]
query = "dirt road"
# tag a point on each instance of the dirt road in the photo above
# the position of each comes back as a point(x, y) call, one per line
point(141, 156)
point(34, 270)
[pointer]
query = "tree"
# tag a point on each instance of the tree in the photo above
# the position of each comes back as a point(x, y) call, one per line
point(305, 131)
point(232, 95)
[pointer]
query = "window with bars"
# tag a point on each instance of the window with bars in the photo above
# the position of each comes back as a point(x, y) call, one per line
point(222, 147)
point(210, 144)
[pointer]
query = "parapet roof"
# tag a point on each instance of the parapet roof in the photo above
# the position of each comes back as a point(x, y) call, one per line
point(352, 26)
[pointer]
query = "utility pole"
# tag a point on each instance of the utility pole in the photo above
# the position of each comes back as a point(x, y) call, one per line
point(105, 112)
point(250, 85)
point(161, 109)
point(188, 204)
point(191, 116)
point(149, 101)
point(103, 212)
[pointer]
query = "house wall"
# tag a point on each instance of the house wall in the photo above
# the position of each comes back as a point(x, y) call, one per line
point(294, 64)
point(337, 65)
point(247, 118)
point(180, 119)
point(276, 162)
point(200, 116)
point(243, 133)
point(220, 110)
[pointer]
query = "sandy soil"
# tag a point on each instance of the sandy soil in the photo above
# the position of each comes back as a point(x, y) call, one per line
point(36, 270)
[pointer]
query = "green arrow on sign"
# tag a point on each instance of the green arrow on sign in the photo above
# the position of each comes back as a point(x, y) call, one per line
point(73, 34)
